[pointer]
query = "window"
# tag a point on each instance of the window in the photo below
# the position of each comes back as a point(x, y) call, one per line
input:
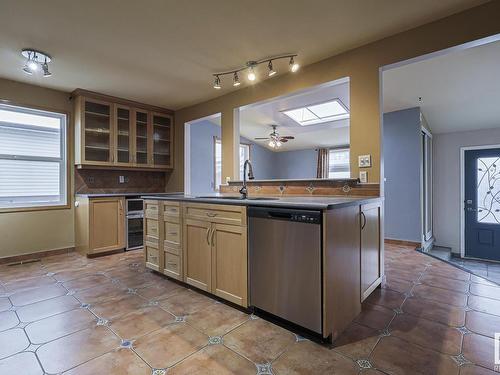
point(32, 158)
point(244, 155)
point(338, 163)
point(316, 114)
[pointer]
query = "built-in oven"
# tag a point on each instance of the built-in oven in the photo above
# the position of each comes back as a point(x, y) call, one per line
point(134, 223)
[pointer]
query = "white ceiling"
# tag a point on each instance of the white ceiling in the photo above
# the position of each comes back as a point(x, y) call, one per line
point(460, 90)
point(163, 52)
point(256, 120)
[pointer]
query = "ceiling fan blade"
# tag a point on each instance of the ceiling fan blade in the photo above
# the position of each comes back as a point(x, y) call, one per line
point(283, 140)
point(287, 137)
point(257, 139)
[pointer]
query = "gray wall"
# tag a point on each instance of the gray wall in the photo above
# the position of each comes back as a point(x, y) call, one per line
point(266, 164)
point(402, 156)
point(446, 176)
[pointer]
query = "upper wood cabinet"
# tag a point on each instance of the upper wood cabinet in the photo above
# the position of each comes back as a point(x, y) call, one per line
point(113, 132)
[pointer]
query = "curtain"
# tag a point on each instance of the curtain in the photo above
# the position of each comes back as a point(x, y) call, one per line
point(322, 167)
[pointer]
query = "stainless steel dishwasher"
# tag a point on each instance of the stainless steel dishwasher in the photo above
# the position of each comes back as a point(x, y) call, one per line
point(285, 264)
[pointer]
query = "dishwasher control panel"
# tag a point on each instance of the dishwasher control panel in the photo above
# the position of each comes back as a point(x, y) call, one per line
point(305, 218)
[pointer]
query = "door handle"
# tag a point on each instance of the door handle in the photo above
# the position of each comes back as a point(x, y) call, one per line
point(364, 220)
point(471, 209)
point(208, 235)
point(212, 237)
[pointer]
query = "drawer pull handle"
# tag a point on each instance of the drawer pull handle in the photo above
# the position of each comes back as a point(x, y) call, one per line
point(172, 264)
point(211, 214)
point(172, 233)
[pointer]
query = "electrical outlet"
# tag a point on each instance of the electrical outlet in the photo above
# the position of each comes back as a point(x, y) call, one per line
point(91, 180)
point(364, 161)
point(121, 179)
point(363, 177)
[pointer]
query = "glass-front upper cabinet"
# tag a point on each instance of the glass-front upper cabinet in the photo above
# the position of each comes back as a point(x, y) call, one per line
point(123, 135)
point(142, 132)
point(97, 128)
point(162, 140)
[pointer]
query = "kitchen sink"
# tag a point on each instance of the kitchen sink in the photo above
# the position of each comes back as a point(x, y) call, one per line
point(239, 198)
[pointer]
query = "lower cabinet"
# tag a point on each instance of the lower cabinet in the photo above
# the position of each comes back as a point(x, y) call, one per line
point(215, 252)
point(152, 235)
point(371, 248)
point(100, 224)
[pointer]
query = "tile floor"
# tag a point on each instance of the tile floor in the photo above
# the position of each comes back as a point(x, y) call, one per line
point(72, 315)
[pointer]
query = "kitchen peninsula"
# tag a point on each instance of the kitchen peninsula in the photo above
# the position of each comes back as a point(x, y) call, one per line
point(212, 243)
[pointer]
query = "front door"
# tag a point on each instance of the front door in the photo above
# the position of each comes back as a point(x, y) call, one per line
point(482, 204)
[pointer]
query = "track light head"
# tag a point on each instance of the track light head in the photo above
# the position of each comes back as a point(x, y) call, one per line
point(251, 74)
point(271, 70)
point(236, 80)
point(217, 85)
point(293, 65)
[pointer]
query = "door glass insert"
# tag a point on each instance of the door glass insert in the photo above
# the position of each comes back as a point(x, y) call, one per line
point(161, 140)
point(488, 190)
point(123, 122)
point(97, 131)
point(141, 138)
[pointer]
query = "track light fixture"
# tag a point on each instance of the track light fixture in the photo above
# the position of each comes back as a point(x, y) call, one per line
point(251, 65)
point(36, 60)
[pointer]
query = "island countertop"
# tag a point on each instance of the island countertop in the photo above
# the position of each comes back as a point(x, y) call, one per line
point(304, 202)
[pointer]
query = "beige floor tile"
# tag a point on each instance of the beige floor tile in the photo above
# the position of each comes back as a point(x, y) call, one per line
point(169, 345)
point(59, 325)
point(160, 291)
point(306, 357)
point(8, 319)
point(434, 310)
point(101, 293)
point(23, 364)
point(357, 341)
point(34, 282)
point(214, 360)
point(479, 350)
point(4, 304)
point(259, 340)
point(141, 321)
point(87, 282)
point(77, 348)
point(117, 362)
point(38, 294)
point(217, 319)
point(117, 307)
point(44, 309)
point(186, 302)
point(12, 341)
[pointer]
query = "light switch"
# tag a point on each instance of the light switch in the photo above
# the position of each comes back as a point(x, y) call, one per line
point(363, 177)
point(364, 161)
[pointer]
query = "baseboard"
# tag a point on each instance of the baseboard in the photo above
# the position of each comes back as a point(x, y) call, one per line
point(32, 256)
point(402, 242)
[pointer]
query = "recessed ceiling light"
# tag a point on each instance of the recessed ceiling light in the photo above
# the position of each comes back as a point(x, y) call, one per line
point(332, 110)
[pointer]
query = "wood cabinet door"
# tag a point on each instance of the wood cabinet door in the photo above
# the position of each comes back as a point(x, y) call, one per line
point(97, 136)
point(162, 137)
point(107, 224)
point(229, 263)
point(197, 254)
point(123, 136)
point(142, 131)
point(370, 248)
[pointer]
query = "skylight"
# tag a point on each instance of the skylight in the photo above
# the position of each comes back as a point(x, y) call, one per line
point(333, 110)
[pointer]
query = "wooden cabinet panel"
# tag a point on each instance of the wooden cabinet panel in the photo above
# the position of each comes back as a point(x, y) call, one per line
point(152, 257)
point(172, 265)
point(371, 255)
point(106, 224)
point(216, 213)
point(123, 135)
point(172, 234)
point(229, 263)
point(162, 140)
point(197, 254)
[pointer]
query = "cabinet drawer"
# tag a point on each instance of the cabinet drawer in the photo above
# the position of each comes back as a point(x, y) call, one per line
point(217, 213)
point(152, 258)
point(151, 209)
point(172, 249)
point(172, 263)
point(172, 234)
point(152, 229)
point(171, 209)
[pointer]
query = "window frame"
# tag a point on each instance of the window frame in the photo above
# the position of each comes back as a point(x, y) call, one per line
point(65, 162)
point(341, 148)
point(219, 140)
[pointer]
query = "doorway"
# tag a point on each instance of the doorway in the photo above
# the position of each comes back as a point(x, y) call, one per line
point(481, 202)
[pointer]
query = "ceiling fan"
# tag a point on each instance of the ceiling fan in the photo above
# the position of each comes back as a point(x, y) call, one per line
point(276, 140)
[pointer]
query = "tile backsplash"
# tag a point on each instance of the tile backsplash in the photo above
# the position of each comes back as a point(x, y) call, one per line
point(88, 181)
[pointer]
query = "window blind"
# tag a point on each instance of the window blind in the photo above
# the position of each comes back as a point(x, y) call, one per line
point(339, 164)
point(32, 157)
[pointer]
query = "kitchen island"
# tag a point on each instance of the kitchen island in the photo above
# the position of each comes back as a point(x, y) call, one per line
point(205, 242)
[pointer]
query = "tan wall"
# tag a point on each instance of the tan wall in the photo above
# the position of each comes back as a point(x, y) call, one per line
point(28, 232)
point(362, 66)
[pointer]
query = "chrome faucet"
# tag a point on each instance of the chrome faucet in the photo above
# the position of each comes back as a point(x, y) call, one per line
point(244, 189)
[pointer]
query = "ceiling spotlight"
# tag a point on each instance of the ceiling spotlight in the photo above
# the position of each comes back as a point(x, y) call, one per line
point(293, 65)
point(271, 70)
point(217, 83)
point(251, 74)
point(45, 68)
point(236, 80)
point(36, 60)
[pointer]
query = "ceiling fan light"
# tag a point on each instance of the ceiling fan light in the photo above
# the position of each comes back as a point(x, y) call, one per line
point(278, 143)
point(272, 144)
point(293, 65)
point(271, 70)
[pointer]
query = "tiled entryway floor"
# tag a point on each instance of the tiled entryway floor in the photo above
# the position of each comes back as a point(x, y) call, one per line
point(68, 314)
